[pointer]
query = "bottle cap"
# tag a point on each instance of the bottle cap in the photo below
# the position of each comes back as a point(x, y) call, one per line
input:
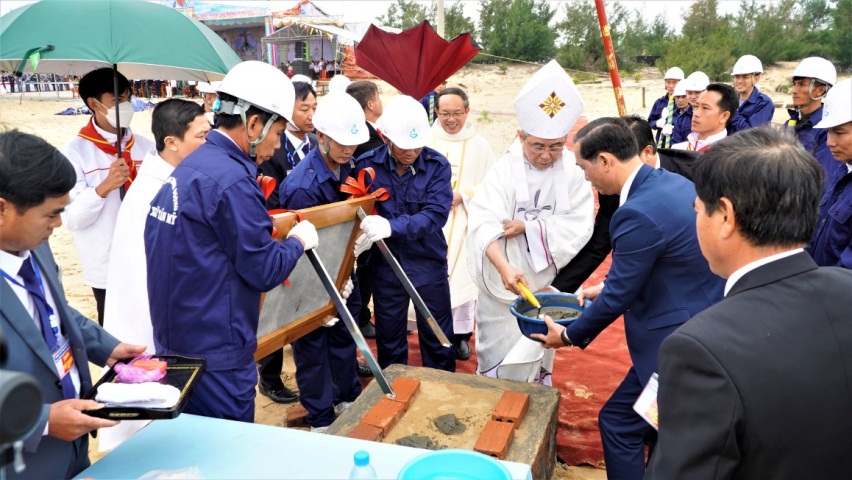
point(362, 458)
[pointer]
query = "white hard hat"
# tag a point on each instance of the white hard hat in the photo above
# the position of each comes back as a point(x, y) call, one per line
point(673, 73)
point(697, 81)
point(680, 89)
point(405, 123)
point(837, 105)
point(747, 64)
point(817, 68)
point(261, 85)
point(301, 78)
point(341, 117)
point(204, 87)
point(338, 83)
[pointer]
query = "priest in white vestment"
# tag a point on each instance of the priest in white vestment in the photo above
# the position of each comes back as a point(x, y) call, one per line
point(470, 158)
point(179, 127)
point(529, 217)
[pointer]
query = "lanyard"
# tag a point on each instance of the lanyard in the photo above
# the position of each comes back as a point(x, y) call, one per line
point(295, 152)
point(38, 293)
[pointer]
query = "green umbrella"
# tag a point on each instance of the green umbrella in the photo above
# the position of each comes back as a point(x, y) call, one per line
point(140, 38)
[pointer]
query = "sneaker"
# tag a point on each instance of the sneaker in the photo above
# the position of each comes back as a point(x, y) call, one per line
point(319, 429)
point(342, 407)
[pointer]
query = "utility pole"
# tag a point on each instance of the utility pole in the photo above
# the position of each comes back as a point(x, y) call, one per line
point(440, 18)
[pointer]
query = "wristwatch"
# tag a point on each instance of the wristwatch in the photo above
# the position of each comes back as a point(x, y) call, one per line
point(565, 340)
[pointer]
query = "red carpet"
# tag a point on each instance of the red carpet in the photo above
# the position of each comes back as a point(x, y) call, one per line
point(586, 379)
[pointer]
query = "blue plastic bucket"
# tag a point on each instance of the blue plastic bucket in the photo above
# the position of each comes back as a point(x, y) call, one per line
point(527, 314)
point(454, 464)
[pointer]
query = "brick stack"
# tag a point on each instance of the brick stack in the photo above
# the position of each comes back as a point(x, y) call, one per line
point(506, 417)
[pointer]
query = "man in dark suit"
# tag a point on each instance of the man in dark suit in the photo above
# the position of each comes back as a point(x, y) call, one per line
point(35, 317)
point(681, 162)
point(658, 278)
point(758, 386)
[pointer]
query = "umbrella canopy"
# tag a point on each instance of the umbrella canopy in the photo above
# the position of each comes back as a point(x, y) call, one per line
point(415, 61)
point(144, 39)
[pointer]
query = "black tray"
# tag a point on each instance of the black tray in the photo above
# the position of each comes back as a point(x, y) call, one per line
point(182, 373)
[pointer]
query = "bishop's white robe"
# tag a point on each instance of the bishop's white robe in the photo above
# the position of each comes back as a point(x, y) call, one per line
point(557, 207)
point(126, 312)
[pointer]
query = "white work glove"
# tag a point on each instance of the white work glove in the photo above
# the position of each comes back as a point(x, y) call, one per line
point(362, 244)
point(330, 322)
point(306, 233)
point(668, 129)
point(347, 289)
point(376, 228)
point(662, 121)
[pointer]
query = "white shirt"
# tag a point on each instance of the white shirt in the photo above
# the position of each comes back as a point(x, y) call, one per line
point(737, 275)
point(89, 217)
point(625, 189)
point(11, 264)
point(298, 143)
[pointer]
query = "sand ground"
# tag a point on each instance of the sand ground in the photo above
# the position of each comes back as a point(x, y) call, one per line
point(491, 93)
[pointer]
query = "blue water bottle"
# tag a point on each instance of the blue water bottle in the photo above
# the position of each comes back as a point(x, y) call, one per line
point(362, 469)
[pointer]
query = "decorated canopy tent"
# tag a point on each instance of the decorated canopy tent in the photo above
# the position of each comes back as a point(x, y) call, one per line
point(240, 26)
point(304, 33)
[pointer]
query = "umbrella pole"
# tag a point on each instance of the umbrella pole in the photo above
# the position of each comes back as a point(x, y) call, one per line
point(121, 189)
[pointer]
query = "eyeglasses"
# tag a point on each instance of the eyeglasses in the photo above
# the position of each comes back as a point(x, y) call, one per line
point(451, 114)
point(554, 149)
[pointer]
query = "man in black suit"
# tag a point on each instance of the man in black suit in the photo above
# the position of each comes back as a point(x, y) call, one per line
point(296, 141)
point(681, 162)
point(46, 337)
point(758, 386)
point(367, 95)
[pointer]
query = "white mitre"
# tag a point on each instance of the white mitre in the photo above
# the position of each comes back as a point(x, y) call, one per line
point(549, 104)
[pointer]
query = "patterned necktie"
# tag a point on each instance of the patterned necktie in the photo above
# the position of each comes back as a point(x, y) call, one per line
point(35, 290)
point(665, 141)
point(431, 109)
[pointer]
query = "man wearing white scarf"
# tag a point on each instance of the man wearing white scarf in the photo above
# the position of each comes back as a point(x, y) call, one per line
point(470, 158)
point(530, 216)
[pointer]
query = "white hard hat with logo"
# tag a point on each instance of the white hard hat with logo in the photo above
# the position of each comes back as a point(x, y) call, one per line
point(261, 85)
point(301, 78)
point(341, 117)
point(673, 73)
point(697, 81)
point(747, 64)
point(817, 68)
point(405, 123)
point(837, 105)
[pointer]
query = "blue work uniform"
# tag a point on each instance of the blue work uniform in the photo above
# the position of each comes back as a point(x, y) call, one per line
point(757, 110)
point(325, 358)
point(657, 109)
point(832, 243)
point(813, 139)
point(418, 208)
point(210, 255)
point(682, 124)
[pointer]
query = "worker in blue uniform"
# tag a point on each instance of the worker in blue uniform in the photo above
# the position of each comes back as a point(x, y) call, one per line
point(832, 243)
point(410, 221)
point(664, 107)
point(812, 79)
point(325, 358)
point(208, 243)
point(756, 108)
point(681, 125)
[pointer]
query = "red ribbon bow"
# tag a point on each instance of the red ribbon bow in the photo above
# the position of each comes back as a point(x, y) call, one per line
point(359, 188)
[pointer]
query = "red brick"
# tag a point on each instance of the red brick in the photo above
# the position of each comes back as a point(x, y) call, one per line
point(405, 389)
point(296, 417)
point(384, 414)
point(511, 408)
point(495, 439)
point(363, 431)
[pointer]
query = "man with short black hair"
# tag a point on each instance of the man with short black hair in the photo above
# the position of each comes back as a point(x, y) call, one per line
point(757, 386)
point(676, 161)
point(716, 105)
point(102, 177)
point(37, 322)
point(658, 279)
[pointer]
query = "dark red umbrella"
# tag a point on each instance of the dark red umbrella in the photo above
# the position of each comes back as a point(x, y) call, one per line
point(415, 61)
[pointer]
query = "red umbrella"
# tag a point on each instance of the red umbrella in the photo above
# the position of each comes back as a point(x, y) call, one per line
point(415, 61)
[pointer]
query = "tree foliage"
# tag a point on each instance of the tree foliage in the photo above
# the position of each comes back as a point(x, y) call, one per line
point(517, 29)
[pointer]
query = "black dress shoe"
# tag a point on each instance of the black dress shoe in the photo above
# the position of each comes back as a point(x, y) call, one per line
point(279, 395)
point(368, 330)
point(363, 370)
point(462, 350)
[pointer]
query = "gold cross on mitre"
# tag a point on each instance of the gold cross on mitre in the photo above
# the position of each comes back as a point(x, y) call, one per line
point(552, 105)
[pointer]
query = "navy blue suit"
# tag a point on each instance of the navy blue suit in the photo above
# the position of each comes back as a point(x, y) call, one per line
point(325, 358)
point(658, 281)
point(418, 207)
point(49, 457)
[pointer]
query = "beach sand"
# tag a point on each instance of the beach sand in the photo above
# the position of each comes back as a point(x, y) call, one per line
point(491, 93)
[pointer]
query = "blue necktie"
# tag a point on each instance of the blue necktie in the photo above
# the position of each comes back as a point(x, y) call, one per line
point(32, 285)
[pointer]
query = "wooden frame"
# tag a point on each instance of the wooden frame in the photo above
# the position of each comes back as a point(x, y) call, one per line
point(300, 305)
